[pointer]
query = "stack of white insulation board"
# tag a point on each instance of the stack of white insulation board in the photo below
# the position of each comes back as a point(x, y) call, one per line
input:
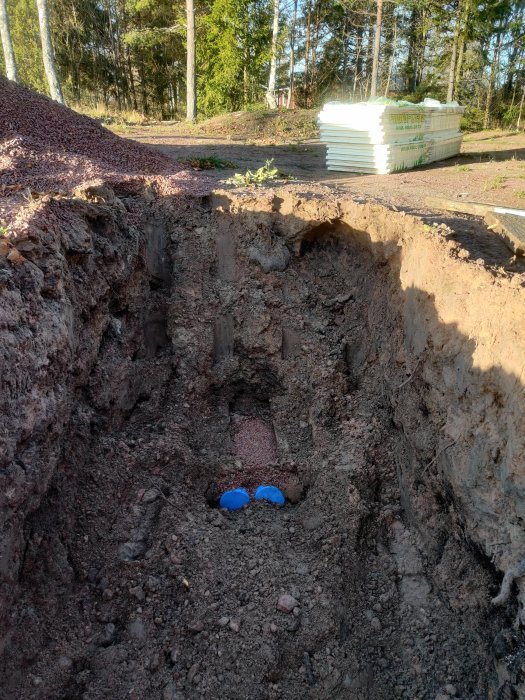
point(386, 136)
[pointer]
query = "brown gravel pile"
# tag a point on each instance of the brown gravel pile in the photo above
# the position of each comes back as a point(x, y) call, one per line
point(47, 148)
point(255, 448)
point(254, 442)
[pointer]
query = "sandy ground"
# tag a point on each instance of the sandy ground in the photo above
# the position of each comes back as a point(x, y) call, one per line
point(491, 167)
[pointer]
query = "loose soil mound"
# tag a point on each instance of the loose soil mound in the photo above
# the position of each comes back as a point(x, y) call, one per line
point(261, 126)
point(47, 148)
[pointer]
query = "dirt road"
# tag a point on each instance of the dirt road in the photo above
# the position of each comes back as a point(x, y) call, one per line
point(491, 167)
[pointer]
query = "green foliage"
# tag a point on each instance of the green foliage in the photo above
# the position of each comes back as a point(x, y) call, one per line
point(494, 183)
point(233, 49)
point(23, 18)
point(3, 231)
point(208, 163)
point(130, 55)
point(259, 177)
point(472, 119)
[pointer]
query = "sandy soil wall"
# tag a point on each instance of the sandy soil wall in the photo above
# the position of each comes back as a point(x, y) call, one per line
point(462, 409)
point(452, 369)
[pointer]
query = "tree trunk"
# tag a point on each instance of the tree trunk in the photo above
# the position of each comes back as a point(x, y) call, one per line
point(377, 45)
point(289, 102)
point(131, 80)
point(392, 59)
point(358, 65)
point(459, 66)
point(493, 73)
point(411, 68)
point(270, 92)
point(308, 30)
point(245, 80)
point(5, 34)
point(521, 108)
point(453, 59)
point(191, 92)
point(47, 52)
point(464, 22)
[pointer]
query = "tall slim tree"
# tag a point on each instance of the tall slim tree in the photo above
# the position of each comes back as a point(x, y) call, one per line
point(270, 92)
point(5, 34)
point(377, 45)
point(289, 102)
point(453, 58)
point(191, 92)
point(48, 53)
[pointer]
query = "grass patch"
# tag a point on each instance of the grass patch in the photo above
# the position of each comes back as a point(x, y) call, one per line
point(261, 125)
point(520, 194)
point(494, 183)
point(208, 163)
point(463, 168)
point(111, 117)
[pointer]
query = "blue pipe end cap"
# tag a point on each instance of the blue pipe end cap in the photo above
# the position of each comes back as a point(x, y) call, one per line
point(234, 499)
point(271, 494)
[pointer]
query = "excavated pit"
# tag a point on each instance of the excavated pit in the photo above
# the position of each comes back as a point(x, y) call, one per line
point(156, 352)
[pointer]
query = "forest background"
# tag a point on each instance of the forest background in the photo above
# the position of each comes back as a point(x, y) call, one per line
point(131, 56)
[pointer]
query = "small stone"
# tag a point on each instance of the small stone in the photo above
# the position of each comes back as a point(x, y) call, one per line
point(223, 621)
point(286, 603)
point(376, 624)
point(193, 672)
point(196, 627)
point(150, 495)
point(65, 662)
point(170, 692)
point(136, 630)
point(154, 662)
point(442, 696)
point(137, 592)
point(235, 625)
point(273, 627)
point(450, 689)
point(108, 636)
point(152, 584)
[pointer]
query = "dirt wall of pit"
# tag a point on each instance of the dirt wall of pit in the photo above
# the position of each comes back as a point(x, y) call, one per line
point(461, 401)
point(453, 369)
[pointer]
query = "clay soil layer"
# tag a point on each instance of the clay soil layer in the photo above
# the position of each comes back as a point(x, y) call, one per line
point(154, 349)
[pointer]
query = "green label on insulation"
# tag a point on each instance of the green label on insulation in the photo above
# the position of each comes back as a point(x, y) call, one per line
point(406, 121)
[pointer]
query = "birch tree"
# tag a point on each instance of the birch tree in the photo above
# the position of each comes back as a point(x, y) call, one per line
point(377, 45)
point(191, 92)
point(7, 44)
point(270, 93)
point(48, 53)
point(289, 101)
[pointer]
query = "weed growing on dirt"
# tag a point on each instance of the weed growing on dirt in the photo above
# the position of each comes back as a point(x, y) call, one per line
point(520, 194)
point(259, 177)
point(495, 183)
point(463, 168)
point(3, 231)
point(208, 163)
point(109, 117)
